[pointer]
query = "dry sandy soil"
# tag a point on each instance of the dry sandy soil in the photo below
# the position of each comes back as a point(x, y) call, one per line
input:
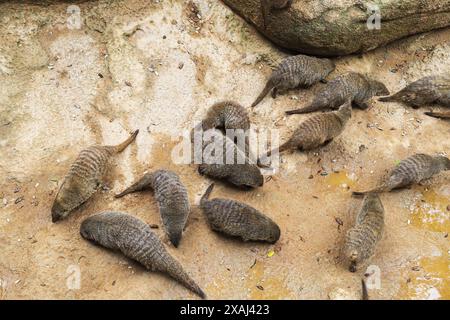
point(158, 67)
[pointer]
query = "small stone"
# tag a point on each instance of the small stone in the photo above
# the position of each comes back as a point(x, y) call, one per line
point(18, 200)
point(341, 294)
point(339, 222)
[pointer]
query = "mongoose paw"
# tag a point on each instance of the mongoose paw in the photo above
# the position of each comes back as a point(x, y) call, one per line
point(362, 105)
point(202, 169)
point(274, 93)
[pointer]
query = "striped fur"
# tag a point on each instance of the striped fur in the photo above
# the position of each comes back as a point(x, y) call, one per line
point(229, 115)
point(135, 239)
point(85, 175)
point(236, 167)
point(316, 131)
point(172, 198)
point(427, 90)
point(361, 240)
point(238, 219)
point(350, 85)
point(226, 115)
point(296, 71)
point(412, 170)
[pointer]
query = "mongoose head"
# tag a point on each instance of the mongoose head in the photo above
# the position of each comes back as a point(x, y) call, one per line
point(353, 258)
point(274, 233)
point(444, 162)
point(90, 227)
point(379, 88)
point(329, 66)
point(175, 238)
point(64, 203)
point(247, 176)
point(58, 211)
point(351, 253)
point(372, 202)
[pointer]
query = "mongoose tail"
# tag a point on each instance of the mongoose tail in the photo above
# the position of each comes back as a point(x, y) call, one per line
point(376, 191)
point(311, 108)
point(207, 193)
point(143, 183)
point(269, 86)
point(265, 8)
point(176, 271)
point(119, 148)
point(365, 293)
point(393, 98)
point(285, 146)
point(441, 115)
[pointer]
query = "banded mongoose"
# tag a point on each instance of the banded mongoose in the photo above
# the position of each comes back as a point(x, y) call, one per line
point(85, 176)
point(442, 115)
point(268, 6)
point(229, 163)
point(316, 131)
point(412, 170)
point(296, 71)
point(135, 239)
point(172, 198)
point(226, 115)
point(238, 219)
point(427, 90)
point(354, 85)
point(361, 240)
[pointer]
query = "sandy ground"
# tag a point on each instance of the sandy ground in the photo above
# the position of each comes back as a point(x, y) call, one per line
point(158, 67)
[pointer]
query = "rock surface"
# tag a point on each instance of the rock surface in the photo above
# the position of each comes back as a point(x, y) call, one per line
point(340, 27)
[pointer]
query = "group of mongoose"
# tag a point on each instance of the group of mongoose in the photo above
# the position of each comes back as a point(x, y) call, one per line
point(136, 240)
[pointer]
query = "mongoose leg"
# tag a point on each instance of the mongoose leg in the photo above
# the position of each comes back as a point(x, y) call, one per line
point(274, 93)
point(361, 105)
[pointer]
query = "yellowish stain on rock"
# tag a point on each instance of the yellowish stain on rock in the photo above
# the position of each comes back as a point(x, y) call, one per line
point(263, 286)
point(339, 181)
point(431, 212)
point(430, 281)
